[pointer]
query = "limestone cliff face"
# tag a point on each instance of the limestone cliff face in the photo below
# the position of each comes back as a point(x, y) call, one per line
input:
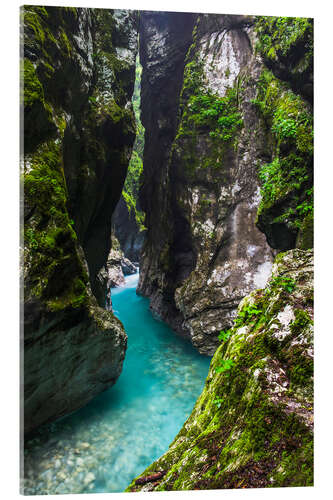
point(203, 251)
point(252, 426)
point(78, 71)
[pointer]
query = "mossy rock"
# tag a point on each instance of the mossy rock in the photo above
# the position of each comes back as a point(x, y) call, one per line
point(287, 181)
point(38, 120)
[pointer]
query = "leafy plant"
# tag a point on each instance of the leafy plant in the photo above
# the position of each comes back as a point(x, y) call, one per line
point(225, 366)
point(249, 312)
point(284, 127)
point(224, 335)
point(218, 401)
point(218, 114)
point(285, 282)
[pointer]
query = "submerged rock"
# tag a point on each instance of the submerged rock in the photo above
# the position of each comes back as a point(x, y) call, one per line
point(78, 70)
point(252, 426)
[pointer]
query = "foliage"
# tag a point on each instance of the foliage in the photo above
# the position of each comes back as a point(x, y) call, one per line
point(280, 36)
point(283, 281)
point(204, 113)
point(224, 335)
point(135, 168)
point(225, 366)
point(218, 114)
point(248, 313)
point(218, 401)
point(290, 173)
point(33, 89)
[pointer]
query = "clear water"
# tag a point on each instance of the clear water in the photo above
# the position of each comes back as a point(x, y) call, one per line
point(102, 447)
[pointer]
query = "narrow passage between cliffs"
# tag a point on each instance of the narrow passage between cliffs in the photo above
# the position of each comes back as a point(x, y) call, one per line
point(101, 447)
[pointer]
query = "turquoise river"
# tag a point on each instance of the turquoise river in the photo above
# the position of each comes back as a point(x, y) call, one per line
point(103, 446)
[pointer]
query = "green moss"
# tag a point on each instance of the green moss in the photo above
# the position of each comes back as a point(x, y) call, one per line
point(33, 20)
point(302, 319)
point(38, 118)
point(65, 42)
point(53, 268)
point(215, 120)
point(305, 237)
point(50, 27)
point(281, 36)
point(296, 469)
point(33, 90)
point(286, 182)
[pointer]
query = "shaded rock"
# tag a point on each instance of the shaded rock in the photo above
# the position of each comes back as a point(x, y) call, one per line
point(117, 266)
point(79, 131)
point(128, 267)
point(252, 426)
point(203, 251)
point(127, 231)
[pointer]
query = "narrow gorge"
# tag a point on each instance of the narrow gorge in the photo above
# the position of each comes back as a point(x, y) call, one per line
point(181, 145)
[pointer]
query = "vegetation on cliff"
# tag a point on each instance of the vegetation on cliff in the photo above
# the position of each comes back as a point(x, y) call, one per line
point(204, 113)
point(130, 191)
point(78, 134)
point(285, 213)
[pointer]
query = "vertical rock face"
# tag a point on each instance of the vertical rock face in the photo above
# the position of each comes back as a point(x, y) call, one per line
point(203, 251)
point(128, 233)
point(78, 71)
point(284, 102)
point(165, 40)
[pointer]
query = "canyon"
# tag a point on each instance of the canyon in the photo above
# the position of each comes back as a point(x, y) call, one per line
point(218, 214)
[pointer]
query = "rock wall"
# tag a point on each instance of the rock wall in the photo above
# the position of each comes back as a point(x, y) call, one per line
point(78, 71)
point(127, 230)
point(284, 103)
point(203, 251)
point(116, 268)
point(128, 219)
point(252, 426)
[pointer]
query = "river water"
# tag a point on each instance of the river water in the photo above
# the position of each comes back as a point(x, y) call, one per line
point(103, 446)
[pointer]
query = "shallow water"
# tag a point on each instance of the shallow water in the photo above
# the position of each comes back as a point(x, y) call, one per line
point(103, 446)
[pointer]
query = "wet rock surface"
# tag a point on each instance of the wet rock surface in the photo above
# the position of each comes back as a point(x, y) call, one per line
point(205, 252)
point(117, 266)
point(79, 131)
point(252, 426)
point(127, 231)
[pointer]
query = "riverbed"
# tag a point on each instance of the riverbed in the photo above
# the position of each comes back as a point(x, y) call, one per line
point(103, 446)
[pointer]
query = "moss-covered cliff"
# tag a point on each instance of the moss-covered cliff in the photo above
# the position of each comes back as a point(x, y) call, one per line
point(284, 101)
point(233, 154)
point(78, 75)
point(128, 219)
point(252, 426)
point(203, 183)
